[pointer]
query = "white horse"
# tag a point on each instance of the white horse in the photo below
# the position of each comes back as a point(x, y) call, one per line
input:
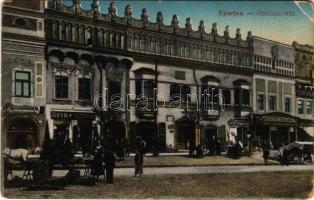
point(19, 154)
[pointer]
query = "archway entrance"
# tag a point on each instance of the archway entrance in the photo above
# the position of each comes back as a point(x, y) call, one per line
point(185, 134)
point(22, 133)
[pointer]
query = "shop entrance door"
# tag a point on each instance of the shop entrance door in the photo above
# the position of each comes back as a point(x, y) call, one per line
point(185, 134)
point(22, 133)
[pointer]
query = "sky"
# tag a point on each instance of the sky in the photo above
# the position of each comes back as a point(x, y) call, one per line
point(284, 29)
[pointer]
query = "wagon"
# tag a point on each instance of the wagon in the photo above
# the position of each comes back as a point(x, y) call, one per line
point(298, 152)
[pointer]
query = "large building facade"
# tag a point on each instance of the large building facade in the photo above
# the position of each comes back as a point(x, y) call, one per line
point(175, 87)
point(23, 74)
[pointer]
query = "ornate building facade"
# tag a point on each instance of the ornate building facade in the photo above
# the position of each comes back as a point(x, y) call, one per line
point(174, 86)
point(23, 74)
point(305, 86)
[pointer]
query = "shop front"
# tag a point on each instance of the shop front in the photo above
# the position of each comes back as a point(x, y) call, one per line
point(24, 127)
point(76, 126)
point(279, 128)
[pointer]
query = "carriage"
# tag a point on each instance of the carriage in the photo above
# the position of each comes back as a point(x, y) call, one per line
point(297, 152)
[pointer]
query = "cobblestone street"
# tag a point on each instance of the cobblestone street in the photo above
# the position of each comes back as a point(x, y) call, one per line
point(285, 184)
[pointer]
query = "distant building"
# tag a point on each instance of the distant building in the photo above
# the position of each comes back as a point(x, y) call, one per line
point(305, 87)
point(274, 113)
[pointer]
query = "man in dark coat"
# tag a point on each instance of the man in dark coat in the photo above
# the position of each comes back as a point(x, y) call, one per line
point(109, 165)
point(266, 147)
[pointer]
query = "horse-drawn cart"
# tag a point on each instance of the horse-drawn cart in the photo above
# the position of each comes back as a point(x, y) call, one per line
point(297, 153)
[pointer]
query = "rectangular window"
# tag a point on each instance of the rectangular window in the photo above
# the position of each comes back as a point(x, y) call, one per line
point(180, 92)
point(260, 102)
point(114, 89)
point(22, 84)
point(309, 107)
point(179, 75)
point(62, 87)
point(245, 97)
point(226, 94)
point(236, 96)
point(272, 103)
point(84, 89)
point(149, 88)
point(287, 104)
point(300, 106)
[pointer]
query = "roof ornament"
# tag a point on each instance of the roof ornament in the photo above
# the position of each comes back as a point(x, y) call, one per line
point(226, 34)
point(144, 17)
point(249, 38)
point(128, 13)
point(214, 29)
point(188, 24)
point(175, 23)
point(95, 8)
point(77, 6)
point(58, 4)
point(112, 9)
point(160, 18)
point(238, 34)
point(201, 27)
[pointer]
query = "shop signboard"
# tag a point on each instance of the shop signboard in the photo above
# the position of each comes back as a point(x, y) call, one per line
point(71, 115)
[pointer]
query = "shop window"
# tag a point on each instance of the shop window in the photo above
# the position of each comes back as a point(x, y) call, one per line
point(180, 91)
point(272, 103)
point(226, 96)
point(22, 84)
point(309, 107)
point(260, 102)
point(84, 89)
point(242, 134)
point(300, 106)
point(62, 87)
point(287, 104)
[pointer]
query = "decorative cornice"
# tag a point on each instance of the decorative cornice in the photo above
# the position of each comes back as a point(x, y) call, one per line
point(158, 26)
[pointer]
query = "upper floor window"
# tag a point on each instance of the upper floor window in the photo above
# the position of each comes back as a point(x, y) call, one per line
point(272, 103)
point(226, 94)
point(211, 93)
point(309, 107)
point(287, 104)
point(62, 87)
point(22, 84)
point(114, 89)
point(300, 106)
point(180, 92)
point(84, 89)
point(145, 87)
point(260, 102)
point(245, 97)
point(241, 97)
